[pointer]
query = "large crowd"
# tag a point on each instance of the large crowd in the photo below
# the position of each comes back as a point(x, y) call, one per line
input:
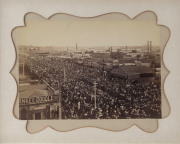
point(116, 98)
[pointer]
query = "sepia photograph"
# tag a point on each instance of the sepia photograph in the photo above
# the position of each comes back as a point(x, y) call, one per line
point(89, 69)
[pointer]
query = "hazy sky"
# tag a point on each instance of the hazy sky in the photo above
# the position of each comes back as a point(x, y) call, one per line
point(89, 33)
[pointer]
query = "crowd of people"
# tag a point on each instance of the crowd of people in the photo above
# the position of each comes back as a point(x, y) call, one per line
point(116, 98)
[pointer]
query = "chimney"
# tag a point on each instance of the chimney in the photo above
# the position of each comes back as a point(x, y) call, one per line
point(147, 47)
point(150, 46)
point(76, 47)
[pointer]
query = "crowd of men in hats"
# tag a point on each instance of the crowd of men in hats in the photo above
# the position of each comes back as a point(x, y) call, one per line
point(116, 98)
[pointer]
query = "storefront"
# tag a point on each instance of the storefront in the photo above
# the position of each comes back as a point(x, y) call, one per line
point(38, 105)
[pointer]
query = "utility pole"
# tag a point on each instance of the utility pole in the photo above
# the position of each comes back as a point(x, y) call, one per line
point(60, 114)
point(64, 73)
point(60, 97)
point(23, 68)
point(95, 94)
point(31, 64)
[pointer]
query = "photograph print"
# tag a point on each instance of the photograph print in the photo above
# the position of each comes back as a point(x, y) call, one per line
point(89, 68)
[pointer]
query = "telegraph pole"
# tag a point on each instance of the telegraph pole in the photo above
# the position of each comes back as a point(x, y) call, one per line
point(60, 96)
point(95, 94)
point(60, 114)
point(64, 73)
point(23, 68)
point(60, 104)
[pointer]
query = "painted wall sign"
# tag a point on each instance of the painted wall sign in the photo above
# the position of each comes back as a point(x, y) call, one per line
point(36, 100)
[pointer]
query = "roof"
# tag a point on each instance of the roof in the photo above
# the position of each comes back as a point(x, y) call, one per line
point(100, 53)
point(130, 70)
point(30, 87)
point(33, 93)
point(43, 53)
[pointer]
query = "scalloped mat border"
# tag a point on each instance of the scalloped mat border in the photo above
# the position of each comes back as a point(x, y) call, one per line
point(132, 122)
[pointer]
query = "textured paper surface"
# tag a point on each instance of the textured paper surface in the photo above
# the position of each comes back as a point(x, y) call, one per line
point(12, 13)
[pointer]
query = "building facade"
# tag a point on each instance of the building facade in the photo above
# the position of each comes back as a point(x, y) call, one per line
point(36, 102)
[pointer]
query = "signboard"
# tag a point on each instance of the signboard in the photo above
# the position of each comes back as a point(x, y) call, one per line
point(40, 99)
point(39, 108)
point(54, 111)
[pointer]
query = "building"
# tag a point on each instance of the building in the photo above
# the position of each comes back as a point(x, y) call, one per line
point(36, 102)
point(43, 54)
point(137, 73)
point(143, 63)
point(102, 55)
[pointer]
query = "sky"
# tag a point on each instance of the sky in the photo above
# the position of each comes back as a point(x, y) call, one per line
point(89, 33)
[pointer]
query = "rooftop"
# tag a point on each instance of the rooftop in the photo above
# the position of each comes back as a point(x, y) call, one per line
point(129, 70)
point(33, 93)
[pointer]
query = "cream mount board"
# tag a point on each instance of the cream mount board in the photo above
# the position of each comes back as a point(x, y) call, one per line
point(39, 40)
point(14, 130)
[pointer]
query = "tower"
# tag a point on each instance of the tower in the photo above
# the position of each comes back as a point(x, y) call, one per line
point(150, 46)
